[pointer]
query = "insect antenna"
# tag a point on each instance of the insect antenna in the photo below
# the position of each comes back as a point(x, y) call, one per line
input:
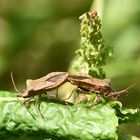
point(13, 82)
point(117, 94)
point(131, 86)
point(126, 90)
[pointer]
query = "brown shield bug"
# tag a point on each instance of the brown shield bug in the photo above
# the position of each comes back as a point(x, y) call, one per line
point(88, 84)
point(40, 86)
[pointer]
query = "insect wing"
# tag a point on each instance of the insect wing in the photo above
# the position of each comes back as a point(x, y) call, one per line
point(79, 76)
point(101, 82)
point(57, 80)
point(51, 75)
point(42, 85)
point(49, 81)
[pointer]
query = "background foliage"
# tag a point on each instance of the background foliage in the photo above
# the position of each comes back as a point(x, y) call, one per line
point(39, 36)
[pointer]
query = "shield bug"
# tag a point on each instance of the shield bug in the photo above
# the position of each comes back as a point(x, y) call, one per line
point(41, 85)
point(88, 84)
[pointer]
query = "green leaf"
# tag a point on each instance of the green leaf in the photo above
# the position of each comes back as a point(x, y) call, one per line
point(126, 115)
point(60, 121)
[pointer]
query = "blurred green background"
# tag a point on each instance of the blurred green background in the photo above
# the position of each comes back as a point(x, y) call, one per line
point(40, 36)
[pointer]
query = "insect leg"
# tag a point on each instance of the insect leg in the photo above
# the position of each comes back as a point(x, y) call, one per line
point(26, 108)
point(37, 105)
point(78, 100)
point(27, 101)
point(96, 101)
point(46, 95)
point(82, 91)
point(70, 95)
point(57, 93)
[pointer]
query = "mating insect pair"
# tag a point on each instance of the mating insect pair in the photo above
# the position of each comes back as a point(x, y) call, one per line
point(85, 84)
